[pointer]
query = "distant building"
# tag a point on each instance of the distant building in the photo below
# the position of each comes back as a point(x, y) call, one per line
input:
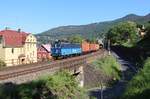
point(17, 47)
point(142, 31)
point(44, 52)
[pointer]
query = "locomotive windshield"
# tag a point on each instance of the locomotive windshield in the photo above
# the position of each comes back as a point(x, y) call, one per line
point(56, 44)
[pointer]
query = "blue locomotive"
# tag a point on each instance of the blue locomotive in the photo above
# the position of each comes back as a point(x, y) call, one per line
point(60, 49)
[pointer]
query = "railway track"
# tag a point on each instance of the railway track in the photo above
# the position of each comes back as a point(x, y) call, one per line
point(11, 72)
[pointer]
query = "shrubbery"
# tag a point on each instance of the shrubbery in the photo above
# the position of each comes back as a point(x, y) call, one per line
point(109, 66)
point(139, 86)
point(61, 85)
point(64, 86)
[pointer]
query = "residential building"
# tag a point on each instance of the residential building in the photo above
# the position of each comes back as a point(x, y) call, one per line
point(17, 47)
point(142, 31)
point(44, 52)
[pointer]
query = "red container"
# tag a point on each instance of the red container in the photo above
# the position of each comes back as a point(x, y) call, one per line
point(85, 47)
point(94, 47)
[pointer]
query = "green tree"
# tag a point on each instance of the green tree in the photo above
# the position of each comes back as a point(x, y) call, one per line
point(123, 33)
point(75, 39)
point(139, 86)
point(92, 40)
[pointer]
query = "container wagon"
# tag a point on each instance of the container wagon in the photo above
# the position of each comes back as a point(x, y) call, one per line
point(93, 47)
point(85, 47)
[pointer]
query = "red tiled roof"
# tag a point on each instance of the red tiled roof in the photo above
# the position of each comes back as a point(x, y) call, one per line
point(13, 38)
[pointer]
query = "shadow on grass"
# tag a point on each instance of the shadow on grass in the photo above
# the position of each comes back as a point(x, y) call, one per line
point(32, 90)
point(143, 95)
point(9, 91)
point(135, 55)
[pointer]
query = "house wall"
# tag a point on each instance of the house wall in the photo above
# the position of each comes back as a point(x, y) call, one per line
point(30, 49)
point(11, 55)
point(2, 52)
point(42, 54)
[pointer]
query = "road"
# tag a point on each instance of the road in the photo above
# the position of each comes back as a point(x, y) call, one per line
point(128, 70)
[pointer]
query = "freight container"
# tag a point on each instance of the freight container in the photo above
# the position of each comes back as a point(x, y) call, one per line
point(85, 47)
point(94, 47)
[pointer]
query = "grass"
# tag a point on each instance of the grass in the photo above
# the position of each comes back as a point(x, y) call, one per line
point(139, 86)
point(109, 66)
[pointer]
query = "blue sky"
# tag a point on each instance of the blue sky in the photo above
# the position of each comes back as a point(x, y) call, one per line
point(40, 15)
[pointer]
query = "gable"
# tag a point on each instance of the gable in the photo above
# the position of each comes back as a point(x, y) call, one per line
point(30, 38)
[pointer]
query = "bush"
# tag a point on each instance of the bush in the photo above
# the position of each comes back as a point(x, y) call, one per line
point(109, 66)
point(139, 86)
point(2, 64)
point(64, 86)
point(61, 85)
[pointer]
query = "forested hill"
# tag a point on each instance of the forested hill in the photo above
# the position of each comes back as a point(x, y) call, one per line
point(88, 31)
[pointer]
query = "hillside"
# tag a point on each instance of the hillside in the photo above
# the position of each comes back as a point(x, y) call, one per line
point(90, 30)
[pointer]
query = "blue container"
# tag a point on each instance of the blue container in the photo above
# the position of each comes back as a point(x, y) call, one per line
point(67, 49)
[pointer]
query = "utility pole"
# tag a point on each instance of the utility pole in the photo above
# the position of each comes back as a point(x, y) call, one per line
point(101, 84)
point(109, 47)
point(104, 43)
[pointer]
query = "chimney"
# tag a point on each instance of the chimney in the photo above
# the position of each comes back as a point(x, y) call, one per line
point(19, 30)
point(6, 28)
point(143, 27)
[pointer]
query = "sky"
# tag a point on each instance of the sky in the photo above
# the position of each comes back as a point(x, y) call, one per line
point(36, 16)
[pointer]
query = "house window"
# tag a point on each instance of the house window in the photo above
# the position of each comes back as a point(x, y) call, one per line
point(12, 50)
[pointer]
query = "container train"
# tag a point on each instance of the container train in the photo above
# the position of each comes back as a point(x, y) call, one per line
point(60, 49)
